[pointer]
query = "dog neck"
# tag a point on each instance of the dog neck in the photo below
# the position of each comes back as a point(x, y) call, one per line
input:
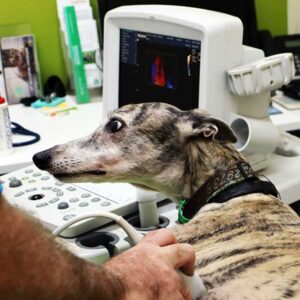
point(224, 186)
point(203, 161)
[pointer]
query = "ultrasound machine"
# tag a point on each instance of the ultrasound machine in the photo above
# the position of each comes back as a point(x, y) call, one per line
point(188, 57)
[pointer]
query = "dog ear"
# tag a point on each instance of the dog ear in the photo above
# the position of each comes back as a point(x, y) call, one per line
point(209, 127)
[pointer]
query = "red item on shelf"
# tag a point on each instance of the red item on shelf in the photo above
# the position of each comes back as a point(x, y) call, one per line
point(2, 100)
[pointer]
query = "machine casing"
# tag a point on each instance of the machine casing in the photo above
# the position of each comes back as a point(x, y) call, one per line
point(221, 51)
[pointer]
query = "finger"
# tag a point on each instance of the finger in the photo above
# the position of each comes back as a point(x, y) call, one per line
point(175, 296)
point(186, 294)
point(162, 237)
point(181, 256)
point(182, 288)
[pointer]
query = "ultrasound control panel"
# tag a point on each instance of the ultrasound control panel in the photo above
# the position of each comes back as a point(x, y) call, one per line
point(54, 202)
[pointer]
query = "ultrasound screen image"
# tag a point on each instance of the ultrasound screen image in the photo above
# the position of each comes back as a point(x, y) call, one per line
point(158, 68)
point(161, 69)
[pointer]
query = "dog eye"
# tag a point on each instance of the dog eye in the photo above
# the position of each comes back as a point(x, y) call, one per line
point(115, 125)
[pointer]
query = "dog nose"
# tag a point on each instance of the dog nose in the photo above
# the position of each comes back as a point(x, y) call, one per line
point(42, 159)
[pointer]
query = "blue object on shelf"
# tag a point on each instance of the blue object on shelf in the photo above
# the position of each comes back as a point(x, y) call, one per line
point(52, 102)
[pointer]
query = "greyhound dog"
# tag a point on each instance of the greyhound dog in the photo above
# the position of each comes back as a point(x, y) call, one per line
point(247, 241)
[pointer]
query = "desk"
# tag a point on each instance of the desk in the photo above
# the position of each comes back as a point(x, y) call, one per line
point(53, 130)
point(288, 120)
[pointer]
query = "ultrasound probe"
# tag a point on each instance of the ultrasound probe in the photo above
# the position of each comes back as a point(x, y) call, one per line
point(194, 282)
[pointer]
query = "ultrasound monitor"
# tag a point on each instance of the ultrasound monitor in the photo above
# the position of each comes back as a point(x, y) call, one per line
point(178, 55)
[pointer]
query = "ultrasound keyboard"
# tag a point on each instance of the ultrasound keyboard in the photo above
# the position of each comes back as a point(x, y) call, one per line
point(54, 202)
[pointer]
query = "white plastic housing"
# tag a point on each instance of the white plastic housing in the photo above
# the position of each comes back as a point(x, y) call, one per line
point(221, 48)
point(252, 137)
point(266, 74)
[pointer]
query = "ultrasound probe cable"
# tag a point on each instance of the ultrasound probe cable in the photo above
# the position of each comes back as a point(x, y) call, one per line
point(131, 232)
point(194, 282)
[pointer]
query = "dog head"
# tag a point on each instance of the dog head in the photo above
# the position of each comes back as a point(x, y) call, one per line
point(149, 144)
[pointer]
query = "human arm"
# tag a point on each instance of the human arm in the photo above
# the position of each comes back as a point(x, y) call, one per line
point(33, 266)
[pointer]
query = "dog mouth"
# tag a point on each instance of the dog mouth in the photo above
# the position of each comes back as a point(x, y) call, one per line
point(74, 176)
point(98, 172)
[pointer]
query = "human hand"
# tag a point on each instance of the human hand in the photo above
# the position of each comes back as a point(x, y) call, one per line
point(148, 270)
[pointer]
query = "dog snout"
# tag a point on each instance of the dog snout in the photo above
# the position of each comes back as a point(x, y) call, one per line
point(42, 159)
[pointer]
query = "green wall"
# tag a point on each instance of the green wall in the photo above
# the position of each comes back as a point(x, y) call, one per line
point(40, 18)
point(272, 15)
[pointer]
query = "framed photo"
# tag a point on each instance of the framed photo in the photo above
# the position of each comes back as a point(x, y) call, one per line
point(20, 67)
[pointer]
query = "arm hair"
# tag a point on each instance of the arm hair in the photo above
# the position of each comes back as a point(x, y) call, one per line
point(35, 267)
